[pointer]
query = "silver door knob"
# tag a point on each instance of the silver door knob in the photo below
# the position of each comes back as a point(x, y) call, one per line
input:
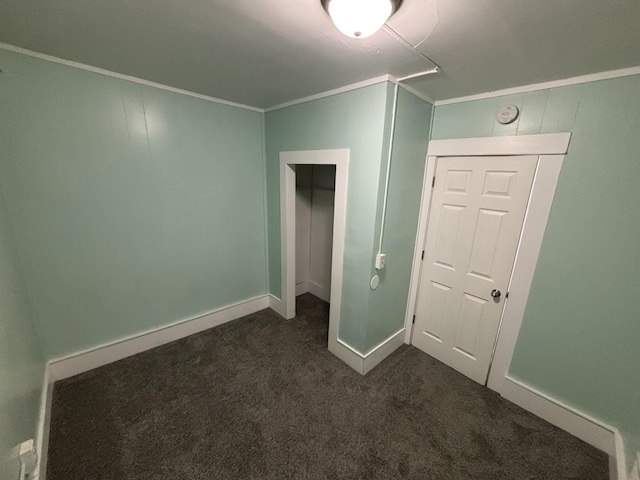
point(495, 293)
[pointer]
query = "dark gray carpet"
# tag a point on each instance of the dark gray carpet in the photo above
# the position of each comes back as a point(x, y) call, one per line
point(262, 398)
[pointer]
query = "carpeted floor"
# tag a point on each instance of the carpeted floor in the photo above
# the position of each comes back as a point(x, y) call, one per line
point(262, 398)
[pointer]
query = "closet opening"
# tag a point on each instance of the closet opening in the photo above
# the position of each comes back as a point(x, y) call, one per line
point(315, 199)
point(313, 211)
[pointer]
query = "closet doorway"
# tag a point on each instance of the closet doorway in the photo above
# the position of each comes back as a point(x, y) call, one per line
point(313, 205)
point(315, 195)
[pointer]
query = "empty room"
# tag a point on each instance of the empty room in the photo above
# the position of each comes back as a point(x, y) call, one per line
point(319, 239)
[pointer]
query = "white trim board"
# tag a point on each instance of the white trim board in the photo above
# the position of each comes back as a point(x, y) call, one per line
point(86, 360)
point(364, 363)
point(120, 76)
point(594, 77)
point(414, 92)
point(44, 423)
point(308, 286)
point(555, 145)
point(577, 423)
point(276, 305)
point(288, 161)
point(350, 87)
point(541, 144)
point(621, 458)
point(423, 219)
point(330, 93)
point(550, 149)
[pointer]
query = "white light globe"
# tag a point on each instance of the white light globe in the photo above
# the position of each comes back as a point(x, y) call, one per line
point(359, 18)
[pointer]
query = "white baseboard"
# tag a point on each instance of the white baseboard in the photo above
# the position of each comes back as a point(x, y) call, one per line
point(364, 363)
point(619, 472)
point(624, 470)
point(348, 355)
point(382, 351)
point(302, 288)
point(44, 422)
point(321, 291)
point(277, 306)
point(578, 424)
point(635, 470)
point(80, 362)
point(309, 286)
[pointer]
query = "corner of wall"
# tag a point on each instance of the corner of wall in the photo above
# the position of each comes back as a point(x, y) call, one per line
point(265, 209)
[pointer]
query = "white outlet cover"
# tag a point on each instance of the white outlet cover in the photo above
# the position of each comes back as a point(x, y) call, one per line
point(375, 281)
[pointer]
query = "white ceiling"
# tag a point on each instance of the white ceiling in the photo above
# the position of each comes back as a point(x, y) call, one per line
point(266, 52)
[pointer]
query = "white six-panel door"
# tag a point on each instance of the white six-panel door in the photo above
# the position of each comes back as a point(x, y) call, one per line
point(477, 212)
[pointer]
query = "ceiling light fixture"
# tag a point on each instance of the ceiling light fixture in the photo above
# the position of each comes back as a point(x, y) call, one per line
point(360, 18)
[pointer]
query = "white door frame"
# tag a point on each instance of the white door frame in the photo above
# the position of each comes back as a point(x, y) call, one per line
point(550, 149)
point(288, 160)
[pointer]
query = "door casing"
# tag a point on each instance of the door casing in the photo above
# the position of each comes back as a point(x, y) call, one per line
point(288, 160)
point(550, 149)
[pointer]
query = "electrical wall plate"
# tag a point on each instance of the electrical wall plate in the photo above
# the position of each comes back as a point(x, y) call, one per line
point(508, 114)
point(28, 456)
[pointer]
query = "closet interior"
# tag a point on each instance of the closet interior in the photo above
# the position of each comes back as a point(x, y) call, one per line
point(315, 192)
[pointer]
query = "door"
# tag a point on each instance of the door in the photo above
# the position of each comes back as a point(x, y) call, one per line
point(477, 211)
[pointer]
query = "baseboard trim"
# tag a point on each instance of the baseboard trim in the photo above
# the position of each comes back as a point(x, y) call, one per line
point(302, 288)
point(620, 471)
point(321, 291)
point(635, 469)
point(309, 286)
point(277, 306)
point(44, 422)
point(364, 363)
point(382, 351)
point(577, 423)
point(348, 355)
point(80, 362)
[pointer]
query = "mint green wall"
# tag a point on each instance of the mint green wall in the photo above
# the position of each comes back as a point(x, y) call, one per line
point(388, 304)
point(132, 207)
point(21, 358)
point(581, 330)
point(359, 120)
point(354, 120)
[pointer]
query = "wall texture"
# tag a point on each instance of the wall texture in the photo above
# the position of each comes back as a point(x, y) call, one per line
point(360, 120)
point(579, 339)
point(132, 207)
point(21, 358)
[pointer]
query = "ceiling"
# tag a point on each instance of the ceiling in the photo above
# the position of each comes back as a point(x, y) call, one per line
point(267, 52)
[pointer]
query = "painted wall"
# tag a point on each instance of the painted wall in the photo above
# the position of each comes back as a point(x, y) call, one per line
point(359, 120)
point(21, 358)
point(411, 138)
point(581, 330)
point(354, 120)
point(132, 207)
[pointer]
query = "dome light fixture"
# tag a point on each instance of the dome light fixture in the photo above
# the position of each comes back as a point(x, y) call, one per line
point(360, 18)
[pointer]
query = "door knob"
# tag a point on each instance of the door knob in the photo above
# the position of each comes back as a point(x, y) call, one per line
point(495, 293)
